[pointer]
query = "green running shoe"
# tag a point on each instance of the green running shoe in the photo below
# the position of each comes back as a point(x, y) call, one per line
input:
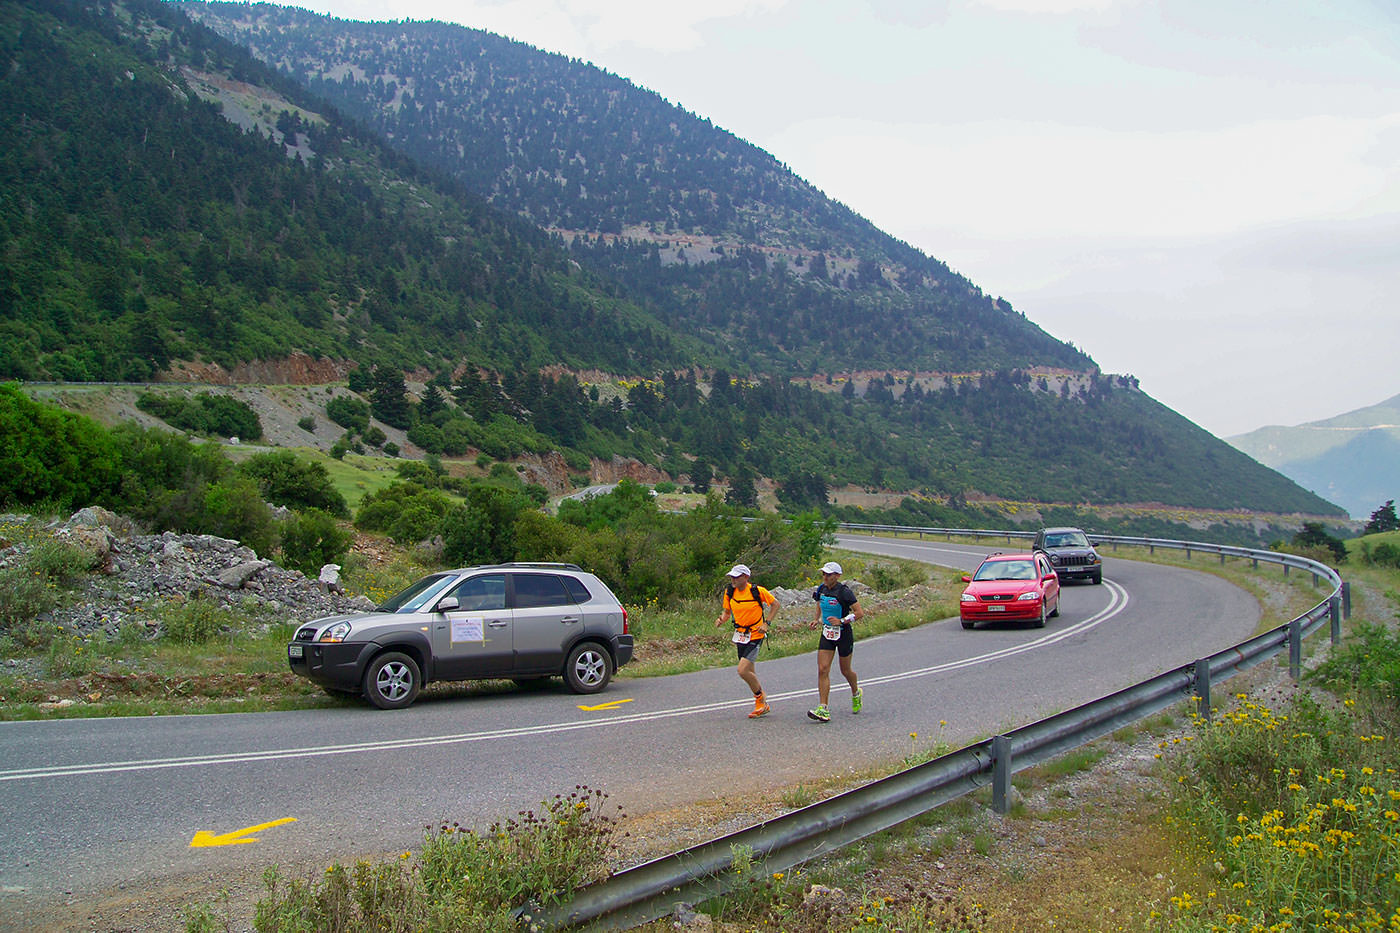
point(820, 714)
point(856, 699)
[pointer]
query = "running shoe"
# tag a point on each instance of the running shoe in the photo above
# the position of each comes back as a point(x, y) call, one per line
point(820, 714)
point(856, 699)
point(760, 706)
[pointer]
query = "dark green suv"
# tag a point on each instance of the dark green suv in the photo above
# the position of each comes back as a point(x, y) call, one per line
point(521, 622)
point(1070, 553)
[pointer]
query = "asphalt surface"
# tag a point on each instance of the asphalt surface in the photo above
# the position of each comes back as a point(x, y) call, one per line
point(100, 805)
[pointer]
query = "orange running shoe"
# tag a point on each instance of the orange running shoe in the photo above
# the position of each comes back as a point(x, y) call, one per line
point(760, 706)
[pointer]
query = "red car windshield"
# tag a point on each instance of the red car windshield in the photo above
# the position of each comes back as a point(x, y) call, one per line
point(1006, 570)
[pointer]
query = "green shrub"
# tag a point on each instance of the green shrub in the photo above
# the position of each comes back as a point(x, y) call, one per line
point(195, 622)
point(349, 413)
point(33, 586)
point(165, 476)
point(1367, 662)
point(1385, 554)
point(307, 424)
point(50, 455)
point(312, 539)
point(234, 509)
point(483, 529)
point(285, 480)
point(461, 880)
point(1299, 808)
point(208, 414)
point(384, 511)
point(23, 597)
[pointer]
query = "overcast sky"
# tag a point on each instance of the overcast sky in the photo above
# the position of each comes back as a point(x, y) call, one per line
point(1202, 193)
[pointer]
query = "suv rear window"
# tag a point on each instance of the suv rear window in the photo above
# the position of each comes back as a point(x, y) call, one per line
point(533, 590)
point(577, 590)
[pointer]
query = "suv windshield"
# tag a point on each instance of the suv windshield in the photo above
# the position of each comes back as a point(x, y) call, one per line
point(418, 595)
point(1067, 539)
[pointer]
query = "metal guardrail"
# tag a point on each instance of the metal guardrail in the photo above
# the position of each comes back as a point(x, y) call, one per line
point(651, 890)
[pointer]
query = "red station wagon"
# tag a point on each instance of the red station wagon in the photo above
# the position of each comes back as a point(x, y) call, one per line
point(1020, 587)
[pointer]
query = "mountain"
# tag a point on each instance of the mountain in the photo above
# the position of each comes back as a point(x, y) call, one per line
point(715, 234)
point(1352, 459)
point(173, 208)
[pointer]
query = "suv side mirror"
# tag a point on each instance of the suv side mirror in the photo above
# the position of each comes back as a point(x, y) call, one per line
point(446, 604)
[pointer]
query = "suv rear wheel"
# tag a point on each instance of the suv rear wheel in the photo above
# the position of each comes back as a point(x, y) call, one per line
point(588, 669)
point(392, 680)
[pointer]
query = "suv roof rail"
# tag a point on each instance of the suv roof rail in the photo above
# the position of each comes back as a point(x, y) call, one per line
point(538, 565)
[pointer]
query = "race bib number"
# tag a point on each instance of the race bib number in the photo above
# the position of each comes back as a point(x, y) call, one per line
point(831, 632)
point(741, 636)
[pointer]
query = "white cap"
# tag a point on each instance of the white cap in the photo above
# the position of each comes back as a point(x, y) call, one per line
point(739, 570)
point(831, 567)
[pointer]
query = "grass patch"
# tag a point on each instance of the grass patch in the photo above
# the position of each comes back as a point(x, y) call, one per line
point(357, 475)
point(459, 880)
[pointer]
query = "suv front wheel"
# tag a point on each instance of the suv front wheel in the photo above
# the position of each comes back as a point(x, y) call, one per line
point(392, 680)
point(588, 669)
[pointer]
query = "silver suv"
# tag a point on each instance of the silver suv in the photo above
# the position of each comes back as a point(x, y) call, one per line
point(1071, 554)
point(521, 622)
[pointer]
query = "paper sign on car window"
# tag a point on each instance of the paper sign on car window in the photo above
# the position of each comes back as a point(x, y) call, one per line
point(469, 629)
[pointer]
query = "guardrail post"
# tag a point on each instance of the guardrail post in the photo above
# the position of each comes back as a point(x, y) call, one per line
point(1203, 688)
point(1335, 611)
point(1285, 570)
point(1346, 599)
point(1222, 558)
point(1001, 773)
point(1255, 562)
point(1295, 648)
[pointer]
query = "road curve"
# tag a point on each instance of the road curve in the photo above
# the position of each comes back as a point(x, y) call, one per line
point(96, 806)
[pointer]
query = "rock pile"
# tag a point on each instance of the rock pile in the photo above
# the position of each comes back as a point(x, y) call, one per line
point(137, 573)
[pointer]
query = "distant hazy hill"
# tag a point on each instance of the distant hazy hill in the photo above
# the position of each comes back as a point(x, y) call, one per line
point(1352, 459)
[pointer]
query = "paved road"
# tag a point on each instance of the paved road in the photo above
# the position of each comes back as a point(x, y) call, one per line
point(93, 805)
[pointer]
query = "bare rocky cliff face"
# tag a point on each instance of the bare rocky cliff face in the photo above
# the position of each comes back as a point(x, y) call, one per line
point(297, 369)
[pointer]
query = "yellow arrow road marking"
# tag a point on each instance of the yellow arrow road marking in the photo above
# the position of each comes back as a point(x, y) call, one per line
point(611, 704)
point(205, 838)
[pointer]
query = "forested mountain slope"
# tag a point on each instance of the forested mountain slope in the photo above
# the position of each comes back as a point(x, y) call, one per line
point(707, 229)
point(142, 227)
point(168, 202)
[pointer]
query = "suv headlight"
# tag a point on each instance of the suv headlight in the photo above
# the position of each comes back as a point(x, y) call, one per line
point(338, 632)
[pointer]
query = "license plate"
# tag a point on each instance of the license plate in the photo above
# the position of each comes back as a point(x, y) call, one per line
point(294, 651)
point(996, 608)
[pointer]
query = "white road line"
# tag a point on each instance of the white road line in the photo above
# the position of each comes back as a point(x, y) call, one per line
point(1116, 605)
